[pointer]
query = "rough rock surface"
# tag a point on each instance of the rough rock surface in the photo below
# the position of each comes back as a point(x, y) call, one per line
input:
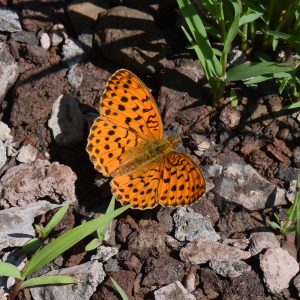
point(230, 268)
point(24, 184)
point(201, 250)
point(89, 276)
point(9, 20)
point(190, 225)
point(262, 240)
point(120, 26)
point(278, 267)
point(27, 154)
point(173, 290)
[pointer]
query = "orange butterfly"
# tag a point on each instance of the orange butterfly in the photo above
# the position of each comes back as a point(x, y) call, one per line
point(127, 143)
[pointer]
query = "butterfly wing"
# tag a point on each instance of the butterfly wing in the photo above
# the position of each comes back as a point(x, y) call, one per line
point(129, 120)
point(174, 180)
point(128, 103)
point(182, 182)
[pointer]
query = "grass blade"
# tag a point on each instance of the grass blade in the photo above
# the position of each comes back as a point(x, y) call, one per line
point(66, 241)
point(121, 292)
point(46, 280)
point(9, 270)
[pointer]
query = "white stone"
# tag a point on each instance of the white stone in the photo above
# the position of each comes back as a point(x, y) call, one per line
point(202, 250)
point(66, 121)
point(190, 225)
point(3, 157)
point(278, 267)
point(73, 52)
point(88, 276)
point(75, 77)
point(27, 154)
point(4, 132)
point(9, 20)
point(262, 240)
point(45, 41)
point(174, 291)
point(104, 253)
point(57, 34)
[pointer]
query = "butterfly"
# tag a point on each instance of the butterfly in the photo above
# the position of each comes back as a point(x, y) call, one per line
point(127, 143)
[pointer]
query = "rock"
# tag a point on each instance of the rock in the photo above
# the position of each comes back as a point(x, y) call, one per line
point(9, 20)
point(24, 184)
point(130, 37)
point(124, 278)
point(66, 121)
point(36, 16)
point(75, 77)
point(230, 268)
point(230, 117)
point(162, 270)
point(164, 217)
point(190, 225)
point(105, 253)
point(27, 154)
point(37, 55)
point(241, 184)
point(45, 41)
point(86, 39)
point(83, 15)
point(9, 70)
point(262, 240)
point(25, 37)
point(192, 280)
point(73, 52)
point(246, 286)
point(150, 237)
point(296, 155)
point(235, 222)
point(174, 291)
point(237, 243)
point(4, 132)
point(211, 283)
point(57, 34)
point(3, 157)
point(201, 250)
point(278, 267)
point(88, 275)
point(112, 265)
point(16, 223)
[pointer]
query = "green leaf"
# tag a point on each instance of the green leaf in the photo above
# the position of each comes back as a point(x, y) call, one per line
point(55, 220)
point(209, 62)
point(9, 270)
point(292, 106)
point(249, 70)
point(234, 98)
point(46, 280)
point(66, 241)
point(31, 246)
point(121, 292)
point(249, 16)
point(93, 244)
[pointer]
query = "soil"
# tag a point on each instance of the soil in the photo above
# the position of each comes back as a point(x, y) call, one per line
point(253, 129)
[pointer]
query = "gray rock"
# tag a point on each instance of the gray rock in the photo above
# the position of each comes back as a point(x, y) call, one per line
point(202, 250)
point(230, 268)
point(105, 253)
point(262, 240)
point(278, 267)
point(9, 20)
point(66, 121)
point(28, 183)
point(4, 132)
point(136, 44)
point(190, 225)
point(174, 291)
point(16, 223)
point(86, 39)
point(241, 184)
point(75, 77)
point(27, 154)
point(3, 157)
point(73, 52)
point(112, 265)
point(26, 37)
point(296, 154)
point(9, 70)
point(88, 275)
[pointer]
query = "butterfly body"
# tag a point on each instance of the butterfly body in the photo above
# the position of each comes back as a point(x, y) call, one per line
point(127, 143)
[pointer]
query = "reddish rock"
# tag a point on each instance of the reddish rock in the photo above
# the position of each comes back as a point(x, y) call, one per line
point(230, 117)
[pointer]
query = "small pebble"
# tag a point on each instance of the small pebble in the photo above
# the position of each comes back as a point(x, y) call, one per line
point(45, 41)
point(27, 154)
